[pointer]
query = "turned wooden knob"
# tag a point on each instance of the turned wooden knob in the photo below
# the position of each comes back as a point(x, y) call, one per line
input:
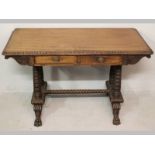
point(99, 59)
point(56, 58)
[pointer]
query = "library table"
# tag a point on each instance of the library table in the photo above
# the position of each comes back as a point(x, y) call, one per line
point(114, 47)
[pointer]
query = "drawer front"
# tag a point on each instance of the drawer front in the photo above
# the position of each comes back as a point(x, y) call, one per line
point(78, 60)
point(57, 60)
point(100, 60)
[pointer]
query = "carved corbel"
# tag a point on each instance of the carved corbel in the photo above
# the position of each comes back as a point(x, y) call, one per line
point(23, 60)
point(133, 59)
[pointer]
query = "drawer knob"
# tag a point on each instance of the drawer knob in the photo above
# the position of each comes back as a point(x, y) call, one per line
point(100, 59)
point(56, 58)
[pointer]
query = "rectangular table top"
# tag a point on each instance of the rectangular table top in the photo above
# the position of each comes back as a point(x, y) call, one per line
point(76, 41)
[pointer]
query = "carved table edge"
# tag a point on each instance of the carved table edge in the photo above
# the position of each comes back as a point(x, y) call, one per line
point(79, 52)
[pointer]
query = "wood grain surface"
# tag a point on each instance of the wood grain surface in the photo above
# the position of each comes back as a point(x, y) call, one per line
point(76, 41)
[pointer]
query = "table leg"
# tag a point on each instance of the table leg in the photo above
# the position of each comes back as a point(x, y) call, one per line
point(38, 98)
point(114, 86)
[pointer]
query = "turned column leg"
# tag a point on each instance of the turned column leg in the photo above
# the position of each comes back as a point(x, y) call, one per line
point(37, 99)
point(115, 92)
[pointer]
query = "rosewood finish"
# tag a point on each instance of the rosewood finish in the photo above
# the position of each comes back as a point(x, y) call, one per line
point(114, 47)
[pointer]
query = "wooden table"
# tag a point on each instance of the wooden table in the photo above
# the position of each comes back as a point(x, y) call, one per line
point(113, 47)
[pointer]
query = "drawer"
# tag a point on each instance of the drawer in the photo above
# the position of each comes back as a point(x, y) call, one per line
point(57, 60)
point(78, 60)
point(100, 60)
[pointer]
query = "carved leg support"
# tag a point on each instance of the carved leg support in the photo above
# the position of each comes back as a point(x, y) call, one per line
point(113, 90)
point(114, 86)
point(37, 109)
point(38, 95)
point(116, 108)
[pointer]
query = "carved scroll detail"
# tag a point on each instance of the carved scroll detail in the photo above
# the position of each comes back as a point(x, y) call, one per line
point(132, 59)
point(23, 60)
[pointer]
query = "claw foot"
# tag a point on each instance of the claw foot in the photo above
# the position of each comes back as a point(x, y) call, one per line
point(38, 109)
point(37, 122)
point(116, 108)
point(116, 121)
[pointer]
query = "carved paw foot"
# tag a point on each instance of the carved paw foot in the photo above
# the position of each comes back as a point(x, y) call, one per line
point(116, 108)
point(38, 109)
point(37, 122)
point(116, 121)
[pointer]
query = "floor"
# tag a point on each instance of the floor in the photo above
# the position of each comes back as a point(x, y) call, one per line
point(77, 113)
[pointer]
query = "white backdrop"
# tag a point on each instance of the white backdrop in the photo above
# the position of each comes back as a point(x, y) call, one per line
point(136, 78)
